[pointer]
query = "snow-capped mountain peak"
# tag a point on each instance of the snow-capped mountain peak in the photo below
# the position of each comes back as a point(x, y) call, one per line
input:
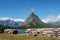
point(10, 22)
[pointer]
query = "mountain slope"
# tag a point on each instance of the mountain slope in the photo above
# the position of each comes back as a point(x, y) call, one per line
point(56, 24)
point(32, 18)
point(33, 21)
point(10, 23)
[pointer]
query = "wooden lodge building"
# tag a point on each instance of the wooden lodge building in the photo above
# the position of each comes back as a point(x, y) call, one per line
point(54, 32)
point(10, 31)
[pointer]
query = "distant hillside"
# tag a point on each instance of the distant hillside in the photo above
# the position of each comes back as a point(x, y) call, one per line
point(56, 24)
point(10, 23)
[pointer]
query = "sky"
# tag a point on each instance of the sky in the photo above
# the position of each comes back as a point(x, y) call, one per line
point(46, 10)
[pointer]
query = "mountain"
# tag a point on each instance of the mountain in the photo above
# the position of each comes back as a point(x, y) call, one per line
point(33, 21)
point(56, 23)
point(32, 18)
point(10, 23)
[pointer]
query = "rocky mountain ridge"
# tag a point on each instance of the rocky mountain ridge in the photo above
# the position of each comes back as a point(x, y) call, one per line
point(33, 21)
point(10, 23)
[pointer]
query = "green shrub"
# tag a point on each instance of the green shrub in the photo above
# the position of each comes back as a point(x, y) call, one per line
point(1, 30)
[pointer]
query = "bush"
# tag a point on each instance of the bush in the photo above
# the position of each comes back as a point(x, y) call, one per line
point(1, 30)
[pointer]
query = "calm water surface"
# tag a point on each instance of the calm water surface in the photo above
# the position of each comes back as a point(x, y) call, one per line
point(21, 31)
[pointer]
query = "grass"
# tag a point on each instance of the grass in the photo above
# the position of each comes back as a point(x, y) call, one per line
point(24, 37)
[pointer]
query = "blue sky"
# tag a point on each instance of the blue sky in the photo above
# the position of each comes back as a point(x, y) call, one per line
point(22, 8)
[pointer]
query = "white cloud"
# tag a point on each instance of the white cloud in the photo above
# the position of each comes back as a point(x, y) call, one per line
point(5, 18)
point(58, 18)
point(51, 18)
point(18, 20)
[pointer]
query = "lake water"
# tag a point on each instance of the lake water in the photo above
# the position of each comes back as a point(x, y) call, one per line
point(22, 31)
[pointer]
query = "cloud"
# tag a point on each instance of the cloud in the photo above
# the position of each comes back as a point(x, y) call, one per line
point(18, 20)
point(51, 18)
point(6, 18)
point(58, 18)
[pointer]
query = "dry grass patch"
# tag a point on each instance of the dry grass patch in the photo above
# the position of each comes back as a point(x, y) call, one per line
point(24, 37)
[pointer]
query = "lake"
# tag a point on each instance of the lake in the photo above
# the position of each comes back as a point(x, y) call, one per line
point(21, 31)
